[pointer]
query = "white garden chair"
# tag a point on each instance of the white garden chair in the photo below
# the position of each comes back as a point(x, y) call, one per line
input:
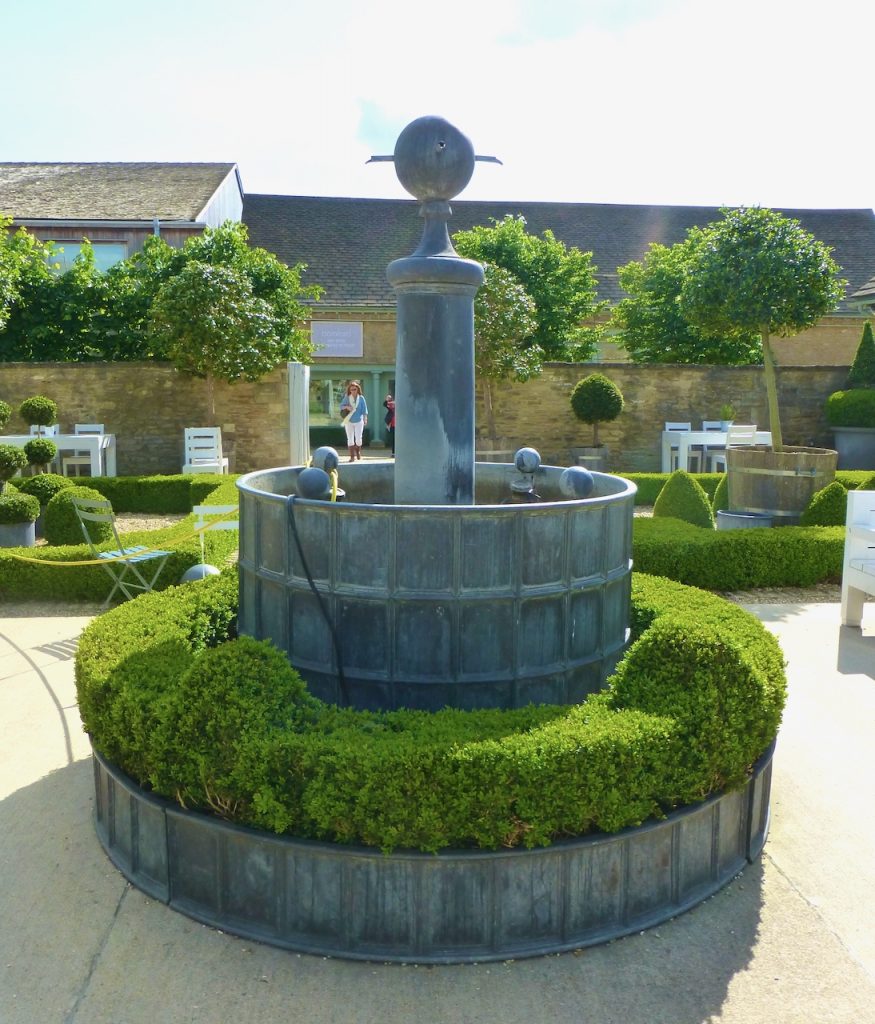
point(203, 451)
point(694, 455)
point(738, 434)
point(79, 459)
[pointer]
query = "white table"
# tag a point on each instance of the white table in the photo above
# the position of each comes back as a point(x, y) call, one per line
point(682, 439)
point(101, 448)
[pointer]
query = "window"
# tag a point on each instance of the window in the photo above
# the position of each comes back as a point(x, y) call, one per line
point(325, 398)
point(105, 254)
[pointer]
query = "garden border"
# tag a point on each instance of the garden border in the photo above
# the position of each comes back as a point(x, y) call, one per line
point(458, 906)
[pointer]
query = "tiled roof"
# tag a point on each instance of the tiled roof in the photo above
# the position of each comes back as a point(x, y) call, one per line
point(113, 191)
point(347, 243)
point(867, 292)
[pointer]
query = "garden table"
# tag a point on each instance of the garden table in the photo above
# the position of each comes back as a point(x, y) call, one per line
point(101, 448)
point(682, 439)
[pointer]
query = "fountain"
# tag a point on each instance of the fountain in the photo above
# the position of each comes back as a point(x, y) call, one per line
point(430, 585)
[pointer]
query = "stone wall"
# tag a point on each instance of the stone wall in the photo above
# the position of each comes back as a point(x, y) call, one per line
point(147, 405)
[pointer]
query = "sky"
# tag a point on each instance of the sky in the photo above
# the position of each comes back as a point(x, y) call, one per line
point(692, 102)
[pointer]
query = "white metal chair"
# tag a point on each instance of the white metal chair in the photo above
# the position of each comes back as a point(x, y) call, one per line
point(694, 454)
point(706, 453)
point(79, 459)
point(738, 434)
point(122, 564)
point(858, 572)
point(203, 451)
point(50, 431)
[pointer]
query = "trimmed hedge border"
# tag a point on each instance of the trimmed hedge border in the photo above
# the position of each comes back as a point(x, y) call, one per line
point(229, 727)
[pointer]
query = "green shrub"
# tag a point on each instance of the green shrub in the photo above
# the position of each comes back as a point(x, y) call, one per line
point(650, 484)
point(721, 496)
point(18, 508)
point(683, 498)
point(851, 408)
point(61, 524)
point(12, 459)
point(208, 727)
point(45, 486)
point(40, 451)
point(867, 483)
point(38, 411)
point(792, 556)
point(828, 507)
point(596, 399)
point(862, 372)
point(163, 495)
point(5, 413)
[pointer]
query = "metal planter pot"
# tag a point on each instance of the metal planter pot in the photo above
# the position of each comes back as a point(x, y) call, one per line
point(856, 447)
point(17, 535)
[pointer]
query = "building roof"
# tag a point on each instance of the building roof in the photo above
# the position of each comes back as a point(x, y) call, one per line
point(348, 243)
point(109, 191)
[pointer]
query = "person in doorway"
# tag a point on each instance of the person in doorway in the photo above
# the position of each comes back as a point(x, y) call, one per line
point(389, 403)
point(354, 410)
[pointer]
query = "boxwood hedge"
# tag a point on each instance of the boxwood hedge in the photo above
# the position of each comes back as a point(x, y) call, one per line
point(224, 725)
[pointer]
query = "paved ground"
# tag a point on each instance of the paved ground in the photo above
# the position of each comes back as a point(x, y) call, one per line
point(790, 940)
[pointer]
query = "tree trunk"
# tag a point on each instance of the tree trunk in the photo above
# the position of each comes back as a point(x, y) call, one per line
point(595, 435)
point(490, 412)
point(211, 400)
point(772, 392)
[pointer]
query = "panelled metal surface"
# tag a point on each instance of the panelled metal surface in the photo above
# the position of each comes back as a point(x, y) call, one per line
point(467, 606)
point(454, 907)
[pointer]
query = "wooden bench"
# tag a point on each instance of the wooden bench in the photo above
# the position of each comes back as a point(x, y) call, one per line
point(858, 571)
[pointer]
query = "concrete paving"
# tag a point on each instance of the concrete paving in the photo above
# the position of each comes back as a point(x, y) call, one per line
point(789, 940)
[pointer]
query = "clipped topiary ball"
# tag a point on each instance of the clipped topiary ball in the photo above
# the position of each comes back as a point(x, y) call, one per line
point(828, 507)
point(40, 451)
point(5, 413)
point(38, 411)
point(721, 496)
point(61, 524)
point(683, 497)
point(596, 399)
point(12, 459)
point(18, 508)
point(45, 486)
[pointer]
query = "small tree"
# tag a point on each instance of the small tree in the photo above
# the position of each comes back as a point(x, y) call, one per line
point(38, 411)
point(757, 270)
point(504, 314)
point(40, 452)
point(560, 280)
point(212, 325)
point(862, 372)
point(12, 459)
point(651, 326)
point(5, 413)
point(596, 399)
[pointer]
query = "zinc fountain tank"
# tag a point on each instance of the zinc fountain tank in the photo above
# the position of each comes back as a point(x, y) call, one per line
point(432, 584)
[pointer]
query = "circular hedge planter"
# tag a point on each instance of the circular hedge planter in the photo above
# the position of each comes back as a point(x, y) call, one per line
point(458, 906)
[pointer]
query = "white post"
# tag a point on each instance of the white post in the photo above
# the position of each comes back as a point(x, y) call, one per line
point(299, 413)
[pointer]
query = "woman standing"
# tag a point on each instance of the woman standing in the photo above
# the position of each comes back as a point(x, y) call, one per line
point(354, 410)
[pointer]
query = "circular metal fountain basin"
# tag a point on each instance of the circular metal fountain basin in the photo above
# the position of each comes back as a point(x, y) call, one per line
point(484, 605)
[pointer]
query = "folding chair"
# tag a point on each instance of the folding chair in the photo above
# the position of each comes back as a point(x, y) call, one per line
point(203, 513)
point(123, 563)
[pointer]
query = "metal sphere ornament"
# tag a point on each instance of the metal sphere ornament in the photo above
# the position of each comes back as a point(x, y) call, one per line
point(314, 483)
point(527, 460)
point(199, 572)
point(576, 482)
point(326, 458)
point(433, 159)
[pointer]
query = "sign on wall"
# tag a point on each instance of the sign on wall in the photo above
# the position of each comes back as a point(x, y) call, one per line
point(336, 338)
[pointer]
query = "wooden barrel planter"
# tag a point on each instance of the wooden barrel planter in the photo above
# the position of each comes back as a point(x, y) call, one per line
point(458, 906)
point(777, 484)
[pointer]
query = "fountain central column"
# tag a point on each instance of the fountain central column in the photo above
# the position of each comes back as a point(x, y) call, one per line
point(435, 289)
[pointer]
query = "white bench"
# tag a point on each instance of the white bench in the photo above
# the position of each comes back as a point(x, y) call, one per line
point(858, 571)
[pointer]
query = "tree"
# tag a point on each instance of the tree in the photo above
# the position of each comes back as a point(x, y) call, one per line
point(862, 372)
point(211, 324)
point(596, 399)
point(560, 280)
point(504, 315)
point(757, 270)
point(652, 327)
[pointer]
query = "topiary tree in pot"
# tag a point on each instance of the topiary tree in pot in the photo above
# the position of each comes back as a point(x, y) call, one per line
point(40, 452)
point(596, 399)
point(759, 270)
point(17, 516)
point(44, 487)
point(851, 413)
point(39, 411)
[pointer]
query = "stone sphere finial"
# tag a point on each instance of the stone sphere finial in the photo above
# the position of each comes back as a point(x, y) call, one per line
point(433, 159)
